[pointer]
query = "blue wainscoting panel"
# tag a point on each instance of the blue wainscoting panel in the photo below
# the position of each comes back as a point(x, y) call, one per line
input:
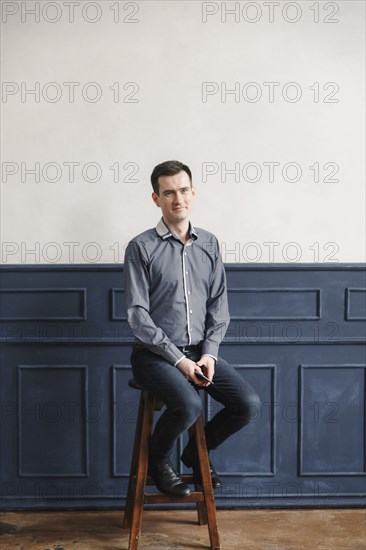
point(356, 304)
point(275, 303)
point(68, 416)
point(43, 304)
point(332, 426)
point(118, 305)
point(254, 453)
point(125, 409)
point(52, 428)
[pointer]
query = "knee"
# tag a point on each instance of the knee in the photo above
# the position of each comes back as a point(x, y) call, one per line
point(254, 407)
point(248, 408)
point(189, 409)
point(195, 408)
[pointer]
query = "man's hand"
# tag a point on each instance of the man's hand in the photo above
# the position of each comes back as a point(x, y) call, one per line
point(188, 368)
point(208, 367)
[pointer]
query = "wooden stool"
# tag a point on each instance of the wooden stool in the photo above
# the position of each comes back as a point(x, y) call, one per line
point(137, 496)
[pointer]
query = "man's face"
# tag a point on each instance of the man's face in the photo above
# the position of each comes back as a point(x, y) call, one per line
point(175, 197)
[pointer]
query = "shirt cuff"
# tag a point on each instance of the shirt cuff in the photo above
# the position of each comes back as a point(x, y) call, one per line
point(210, 348)
point(176, 363)
point(172, 354)
point(209, 355)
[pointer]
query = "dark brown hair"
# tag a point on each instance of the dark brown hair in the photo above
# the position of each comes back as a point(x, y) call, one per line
point(168, 168)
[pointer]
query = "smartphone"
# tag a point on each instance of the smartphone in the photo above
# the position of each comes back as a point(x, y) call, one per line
point(202, 377)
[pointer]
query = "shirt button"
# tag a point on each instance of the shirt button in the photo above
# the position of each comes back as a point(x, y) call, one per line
point(190, 311)
point(189, 291)
point(186, 272)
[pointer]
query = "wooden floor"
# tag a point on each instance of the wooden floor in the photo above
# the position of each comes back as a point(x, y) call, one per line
point(328, 529)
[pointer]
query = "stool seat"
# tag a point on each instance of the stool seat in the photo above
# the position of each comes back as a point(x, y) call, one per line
point(138, 480)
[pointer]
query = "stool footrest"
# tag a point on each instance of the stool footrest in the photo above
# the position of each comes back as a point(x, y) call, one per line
point(187, 478)
point(160, 498)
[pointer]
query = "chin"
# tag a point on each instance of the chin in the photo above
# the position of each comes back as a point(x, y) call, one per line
point(180, 214)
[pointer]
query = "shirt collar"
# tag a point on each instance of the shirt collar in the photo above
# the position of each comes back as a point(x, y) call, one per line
point(164, 232)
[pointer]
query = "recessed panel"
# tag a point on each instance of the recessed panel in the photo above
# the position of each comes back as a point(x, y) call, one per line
point(42, 304)
point(125, 409)
point(251, 450)
point(52, 423)
point(274, 303)
point(118, 304)
point(332, 424)
point(356, 304)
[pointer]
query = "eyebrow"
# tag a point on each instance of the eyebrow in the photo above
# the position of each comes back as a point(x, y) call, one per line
point(174, 190)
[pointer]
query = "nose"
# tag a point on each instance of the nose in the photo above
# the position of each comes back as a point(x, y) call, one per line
point(178, 199)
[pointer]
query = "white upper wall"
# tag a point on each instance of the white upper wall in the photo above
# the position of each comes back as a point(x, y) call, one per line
point(265, 104)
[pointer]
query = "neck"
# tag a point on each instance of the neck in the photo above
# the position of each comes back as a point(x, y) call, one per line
point(180, 229)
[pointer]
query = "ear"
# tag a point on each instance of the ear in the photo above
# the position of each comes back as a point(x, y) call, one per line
point(193, 191)
point(155, 198)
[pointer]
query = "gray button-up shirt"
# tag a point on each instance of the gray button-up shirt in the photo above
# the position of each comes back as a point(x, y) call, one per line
point(176, 293)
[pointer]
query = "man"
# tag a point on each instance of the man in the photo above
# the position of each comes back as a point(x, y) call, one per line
point(177, 309)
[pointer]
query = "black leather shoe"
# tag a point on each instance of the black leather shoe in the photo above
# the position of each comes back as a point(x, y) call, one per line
point(190, 459)
point(167, 480)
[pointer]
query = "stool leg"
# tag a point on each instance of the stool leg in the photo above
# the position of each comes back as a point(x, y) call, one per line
point(201, 507)
point(201, 513)
point(141, 473)
point(136, 445)
point(207, 484)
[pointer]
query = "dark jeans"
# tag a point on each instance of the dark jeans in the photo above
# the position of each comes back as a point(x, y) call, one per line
point(183, 403)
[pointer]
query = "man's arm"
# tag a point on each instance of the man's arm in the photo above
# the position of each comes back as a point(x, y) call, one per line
point(217, 316)
point(138, 305)
point(139, 319)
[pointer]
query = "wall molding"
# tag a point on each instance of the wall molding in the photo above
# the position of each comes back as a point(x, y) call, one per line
point(22, 369)
point(326, 266)
point(41, 291)
point(278, 290)
point(348, 304)
point(323, 473)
